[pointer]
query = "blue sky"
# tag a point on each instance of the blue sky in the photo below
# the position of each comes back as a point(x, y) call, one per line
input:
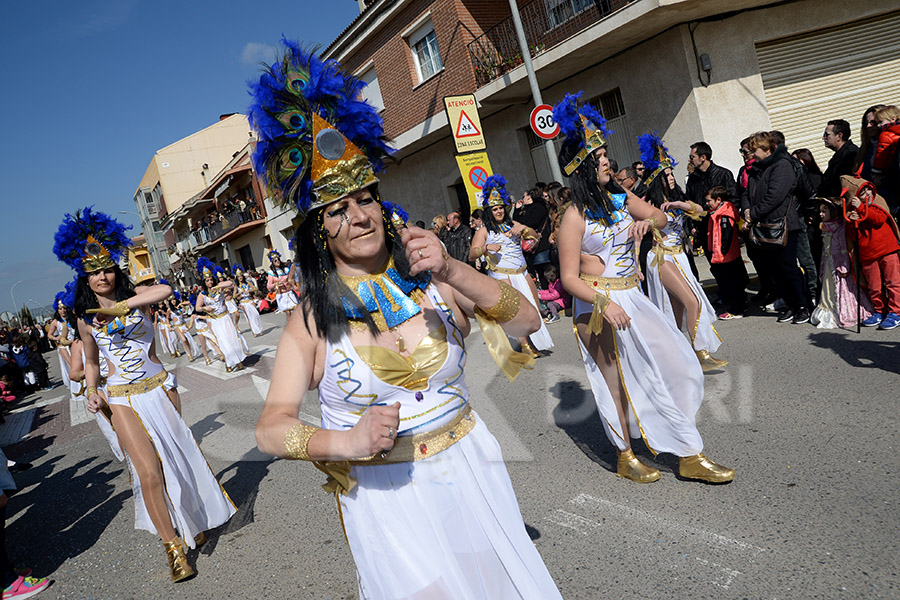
point(92, 89)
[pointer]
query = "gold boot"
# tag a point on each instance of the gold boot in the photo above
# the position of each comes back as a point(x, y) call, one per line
point(629, 467)
point(228, 369)
point(208, 361)
point(178, 562)
point(528, 349)
point(199, 539)
point(239, 367)
point(708, 362)
point(700, 467)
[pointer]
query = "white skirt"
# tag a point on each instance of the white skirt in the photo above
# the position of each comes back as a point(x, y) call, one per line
point(706, 337)
point(195, 499)
point(285, 301)
point(661, 375)
point(540, 338)
point(162, 334)
point(444, 527)
point(229, 340)
point(252, 316)
point(64, 370)
point(231, 306)
point(192, 349)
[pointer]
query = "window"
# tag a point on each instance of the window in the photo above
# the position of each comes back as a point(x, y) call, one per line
point(423, 44)
point(372, 92)
point(621, 145)
point(560, 11)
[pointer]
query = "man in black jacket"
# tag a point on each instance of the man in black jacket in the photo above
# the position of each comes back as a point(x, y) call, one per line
point(459, 238)
point(837, 138)
point(706, 175)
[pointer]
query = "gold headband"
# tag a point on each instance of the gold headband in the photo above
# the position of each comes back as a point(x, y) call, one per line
point(593, 139)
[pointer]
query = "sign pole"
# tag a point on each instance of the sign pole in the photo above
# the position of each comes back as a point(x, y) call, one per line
point(535, 90)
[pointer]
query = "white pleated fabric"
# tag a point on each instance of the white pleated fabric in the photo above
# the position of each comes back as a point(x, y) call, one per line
point(252, 316)
point(162, 334)
point(230, 341)
point(541, 338)
point(285, 301)
point(706, 336)
point(231, 305)
point(444, 527)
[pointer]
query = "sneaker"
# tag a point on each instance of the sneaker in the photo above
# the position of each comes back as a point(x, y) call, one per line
point(727, 316)
point(891, 321)
point(872, 321)
point(26, 587)
point(786, 317)
point(801, 317)
point(551, 319)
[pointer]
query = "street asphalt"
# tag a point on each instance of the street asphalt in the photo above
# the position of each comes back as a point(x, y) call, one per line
point(808, 418)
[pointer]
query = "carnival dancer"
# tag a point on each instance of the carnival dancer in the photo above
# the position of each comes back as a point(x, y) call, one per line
point(417, 476)
point(176, 323)
point(279, 281)
point(500, 242)
point(645, 378)
point(228, 292)
point(231, 343)
point(179, 497)
point(161, 320)
point(670, 283)
point(205, 337)
point(246, 288)
point(62, 335)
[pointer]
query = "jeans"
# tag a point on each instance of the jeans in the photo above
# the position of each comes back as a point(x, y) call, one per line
point(808, 263)
point(783, 264)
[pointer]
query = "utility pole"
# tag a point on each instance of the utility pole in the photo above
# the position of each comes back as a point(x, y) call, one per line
point(535, 90)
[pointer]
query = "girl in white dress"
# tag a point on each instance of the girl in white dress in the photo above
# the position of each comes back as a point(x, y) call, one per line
point(645, 378)
point(211, 304)
point(279, 281)
point(246, 290)
point(62, 335)
point(176, 494)
point(671, 284)
point(500, 243)
point(427, 505)
point(230, 304)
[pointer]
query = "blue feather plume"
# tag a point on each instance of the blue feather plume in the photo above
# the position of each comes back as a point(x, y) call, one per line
point(392, 208)
point(649, 144)
point(567, 114)
point(71, 237)
point(68, 296)
point(495, 182)
point(177, 295)
point(204, 262)
point(281, 111)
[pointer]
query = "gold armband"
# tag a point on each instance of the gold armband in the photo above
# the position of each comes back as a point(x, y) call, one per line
point(653, 222)
point(595, 325)
point(296, 441)
point(91, 390)
point(506, 307)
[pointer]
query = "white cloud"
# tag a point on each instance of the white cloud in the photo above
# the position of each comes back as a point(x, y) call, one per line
point(255, 53)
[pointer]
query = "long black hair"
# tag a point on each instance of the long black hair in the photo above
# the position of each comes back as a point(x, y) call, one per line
point(488, 218)
point(85, 298)
point(659, 191)
point(322, 292)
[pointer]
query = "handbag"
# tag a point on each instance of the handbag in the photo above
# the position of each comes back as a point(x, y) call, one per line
point(774, 233)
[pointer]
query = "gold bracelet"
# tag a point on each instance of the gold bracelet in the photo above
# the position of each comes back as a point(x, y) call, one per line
point(91, 390)
point(296, 441)
point(652, 221)
point(507, 305)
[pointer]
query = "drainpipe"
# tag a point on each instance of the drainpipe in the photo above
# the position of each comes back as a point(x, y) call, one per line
point(535, 90)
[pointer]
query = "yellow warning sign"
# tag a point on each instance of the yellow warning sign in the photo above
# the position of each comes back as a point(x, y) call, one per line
point(462, 113)
point(475, 168)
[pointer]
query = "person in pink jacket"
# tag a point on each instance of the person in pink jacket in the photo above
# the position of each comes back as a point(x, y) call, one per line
point(555, 296)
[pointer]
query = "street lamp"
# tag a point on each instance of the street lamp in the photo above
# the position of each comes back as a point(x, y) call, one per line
point(11, 295)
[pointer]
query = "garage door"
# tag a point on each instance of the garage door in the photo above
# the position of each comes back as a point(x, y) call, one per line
point(833, 73)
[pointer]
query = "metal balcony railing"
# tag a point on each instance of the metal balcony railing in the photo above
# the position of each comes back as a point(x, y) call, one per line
point(546, 24)
point(212, 232)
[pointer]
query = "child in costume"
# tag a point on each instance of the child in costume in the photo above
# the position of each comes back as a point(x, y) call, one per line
point(837, 300)
point(643, 372)
point(870, 222)
point(726, 262)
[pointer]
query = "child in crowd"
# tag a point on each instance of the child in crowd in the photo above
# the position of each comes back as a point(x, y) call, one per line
point(20, 356)
point(884, 165)
point(38, 365)
point(555, 296)
point(6, 394)
point(837, 300)
point(879, 249)
point(726, 263)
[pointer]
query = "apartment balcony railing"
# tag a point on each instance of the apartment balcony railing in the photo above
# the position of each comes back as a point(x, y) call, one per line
point(212, 232)
point(546, 24)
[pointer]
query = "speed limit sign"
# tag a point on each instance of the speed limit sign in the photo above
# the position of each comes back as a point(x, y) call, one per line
point(542, 122)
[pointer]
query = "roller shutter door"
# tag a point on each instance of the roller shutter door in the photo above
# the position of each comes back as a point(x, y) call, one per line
point(833, 73)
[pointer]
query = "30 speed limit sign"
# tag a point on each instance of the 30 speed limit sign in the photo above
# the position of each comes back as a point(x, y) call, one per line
point(542, 122)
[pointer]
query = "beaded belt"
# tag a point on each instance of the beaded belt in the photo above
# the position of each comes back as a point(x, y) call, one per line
point(611, 283)
point(139, 387)
point(503, 271)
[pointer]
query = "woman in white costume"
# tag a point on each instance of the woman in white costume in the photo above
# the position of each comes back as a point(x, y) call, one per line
point(670, 283)
point(426, 502)
point(246, 289)
point(230, 304)
point(500, 242)
point(205, 337)
point(175, 314)
point(62, 335)
point(279, 281)
point(179, 497)
point(211, 304)
point(165, 334)
point(645, 378)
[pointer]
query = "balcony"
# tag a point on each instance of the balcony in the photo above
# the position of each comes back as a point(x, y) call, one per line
point(230, 226)
point(546, 24)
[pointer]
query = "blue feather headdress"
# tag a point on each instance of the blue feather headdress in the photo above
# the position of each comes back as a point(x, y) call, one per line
point(584, 129)
point(318, 140)
point(90, 240)
point(238, 268)
point(273, 253)
point(396, 213)
point(60, 300)
point(206, 268)
point(654, 155)
point(494, 192)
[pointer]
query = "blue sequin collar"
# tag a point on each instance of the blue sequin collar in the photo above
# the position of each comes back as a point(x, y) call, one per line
point(386, 295)
point(598, 214)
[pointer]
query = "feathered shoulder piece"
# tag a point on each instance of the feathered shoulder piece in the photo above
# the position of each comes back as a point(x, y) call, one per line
point(494, 192)
point(654, 155)
point(206, 268)
point(318, 140)
point(583, 128)
point(399, 217)
point(90, 240)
